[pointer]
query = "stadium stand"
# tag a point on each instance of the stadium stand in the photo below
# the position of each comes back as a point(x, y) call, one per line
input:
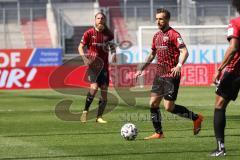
point(36, 33)
point(73, 17)
point(10, 33)
point(213, 12)
point(140, 13)
point(17, 31)
point(77, 14)
point(11, 37)
point(34, 26)
point(137, 13)
point(145, 5)
point(116, 18)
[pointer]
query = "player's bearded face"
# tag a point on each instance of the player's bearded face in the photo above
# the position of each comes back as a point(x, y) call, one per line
point(100, 22)
point(100, 27)
point(161, 21)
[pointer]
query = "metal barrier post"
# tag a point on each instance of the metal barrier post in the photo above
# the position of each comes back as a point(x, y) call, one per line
point(4, 28)
point(125, 10)
point(135, 17)
point(31, 28)
point(151, 10)
point(18, 14)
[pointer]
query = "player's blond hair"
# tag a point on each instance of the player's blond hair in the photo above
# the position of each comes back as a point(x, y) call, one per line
point(101, 14)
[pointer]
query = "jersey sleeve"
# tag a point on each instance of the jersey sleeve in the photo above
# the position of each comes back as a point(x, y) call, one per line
point(85, 39)
point(232, 31)
point(178, 41)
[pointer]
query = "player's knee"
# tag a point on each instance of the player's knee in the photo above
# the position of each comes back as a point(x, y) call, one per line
point(153, 104)
point(220, 106)
point(168, 107)
point(221, 103)
point(94, 87)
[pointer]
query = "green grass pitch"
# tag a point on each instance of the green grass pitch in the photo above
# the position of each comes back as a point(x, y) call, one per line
point(29, 129)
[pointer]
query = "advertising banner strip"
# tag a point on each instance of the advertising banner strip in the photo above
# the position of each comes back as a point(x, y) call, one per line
point(11, 58)
point(76, 77)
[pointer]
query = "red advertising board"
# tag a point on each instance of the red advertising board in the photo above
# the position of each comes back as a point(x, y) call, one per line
point(30, 57)
point(14, 57)
point(42, 68)
point(197, 74)
point(28, 68)
point(120, 76)
point(192, 75)
point(25, 77)
point(123, 75)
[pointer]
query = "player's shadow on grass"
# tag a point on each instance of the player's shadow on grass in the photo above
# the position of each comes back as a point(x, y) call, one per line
point(116, 132)
point(62, 134)
point(233, 117)
point(226, 135)
point(120, 154)
point(42, 96)
point(83, 133)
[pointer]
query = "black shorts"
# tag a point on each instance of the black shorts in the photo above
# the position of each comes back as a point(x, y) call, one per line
point(166, 87)
point(228, 87)
point(100, 77)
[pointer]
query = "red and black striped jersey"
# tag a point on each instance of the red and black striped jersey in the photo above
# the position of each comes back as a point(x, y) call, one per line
point(234, 32)
point(167, 44)
point(97, 44)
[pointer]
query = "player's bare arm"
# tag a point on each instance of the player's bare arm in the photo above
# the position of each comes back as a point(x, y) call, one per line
point(150, 58)
point(230, 52)
point(176, 71)
point(81, 52)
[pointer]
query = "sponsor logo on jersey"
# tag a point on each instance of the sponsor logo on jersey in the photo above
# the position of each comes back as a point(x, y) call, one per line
point(165, 38)
point(162, 47)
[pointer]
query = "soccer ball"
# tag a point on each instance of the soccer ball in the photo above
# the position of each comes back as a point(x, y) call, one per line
point(129, 131)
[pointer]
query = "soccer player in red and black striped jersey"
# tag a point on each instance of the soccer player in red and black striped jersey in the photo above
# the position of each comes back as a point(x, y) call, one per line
point(171, 54)
point(98, 41)
point(228, 82)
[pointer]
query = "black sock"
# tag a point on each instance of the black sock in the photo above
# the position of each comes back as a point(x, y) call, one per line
point(88, 102)
point(184, 112)
point(156, 119)
point(219, 123)
point(102, 104)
